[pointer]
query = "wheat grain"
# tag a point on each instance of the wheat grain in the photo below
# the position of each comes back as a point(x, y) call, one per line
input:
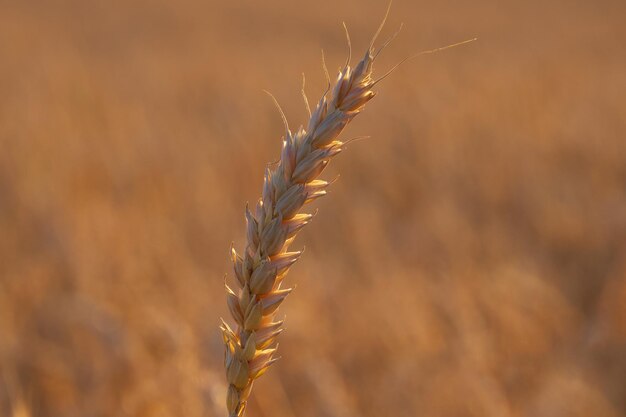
point(276, 220)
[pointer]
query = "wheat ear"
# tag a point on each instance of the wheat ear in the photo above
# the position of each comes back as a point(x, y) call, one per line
point(276, 220)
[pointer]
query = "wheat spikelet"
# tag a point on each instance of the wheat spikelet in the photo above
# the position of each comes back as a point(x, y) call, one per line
point(273, 225)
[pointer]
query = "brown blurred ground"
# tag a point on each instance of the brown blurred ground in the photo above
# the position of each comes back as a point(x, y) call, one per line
point(471, 261)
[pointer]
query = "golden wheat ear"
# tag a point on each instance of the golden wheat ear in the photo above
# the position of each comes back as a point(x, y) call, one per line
point(272, 225)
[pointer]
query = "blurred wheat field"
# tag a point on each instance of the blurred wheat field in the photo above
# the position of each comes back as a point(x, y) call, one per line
point(470, 261)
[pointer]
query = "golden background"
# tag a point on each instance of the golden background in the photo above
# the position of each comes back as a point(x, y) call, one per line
point(470, 261)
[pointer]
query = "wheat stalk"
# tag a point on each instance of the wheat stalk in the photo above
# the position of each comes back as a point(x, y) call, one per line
point(276, 220)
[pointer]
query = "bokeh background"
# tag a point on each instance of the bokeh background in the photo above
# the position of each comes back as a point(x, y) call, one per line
point(470, 261)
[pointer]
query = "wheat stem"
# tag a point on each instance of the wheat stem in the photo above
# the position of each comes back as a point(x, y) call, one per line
point(273, 225)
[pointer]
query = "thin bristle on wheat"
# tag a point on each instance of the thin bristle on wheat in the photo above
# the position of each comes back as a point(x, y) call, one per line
point(276, 220)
